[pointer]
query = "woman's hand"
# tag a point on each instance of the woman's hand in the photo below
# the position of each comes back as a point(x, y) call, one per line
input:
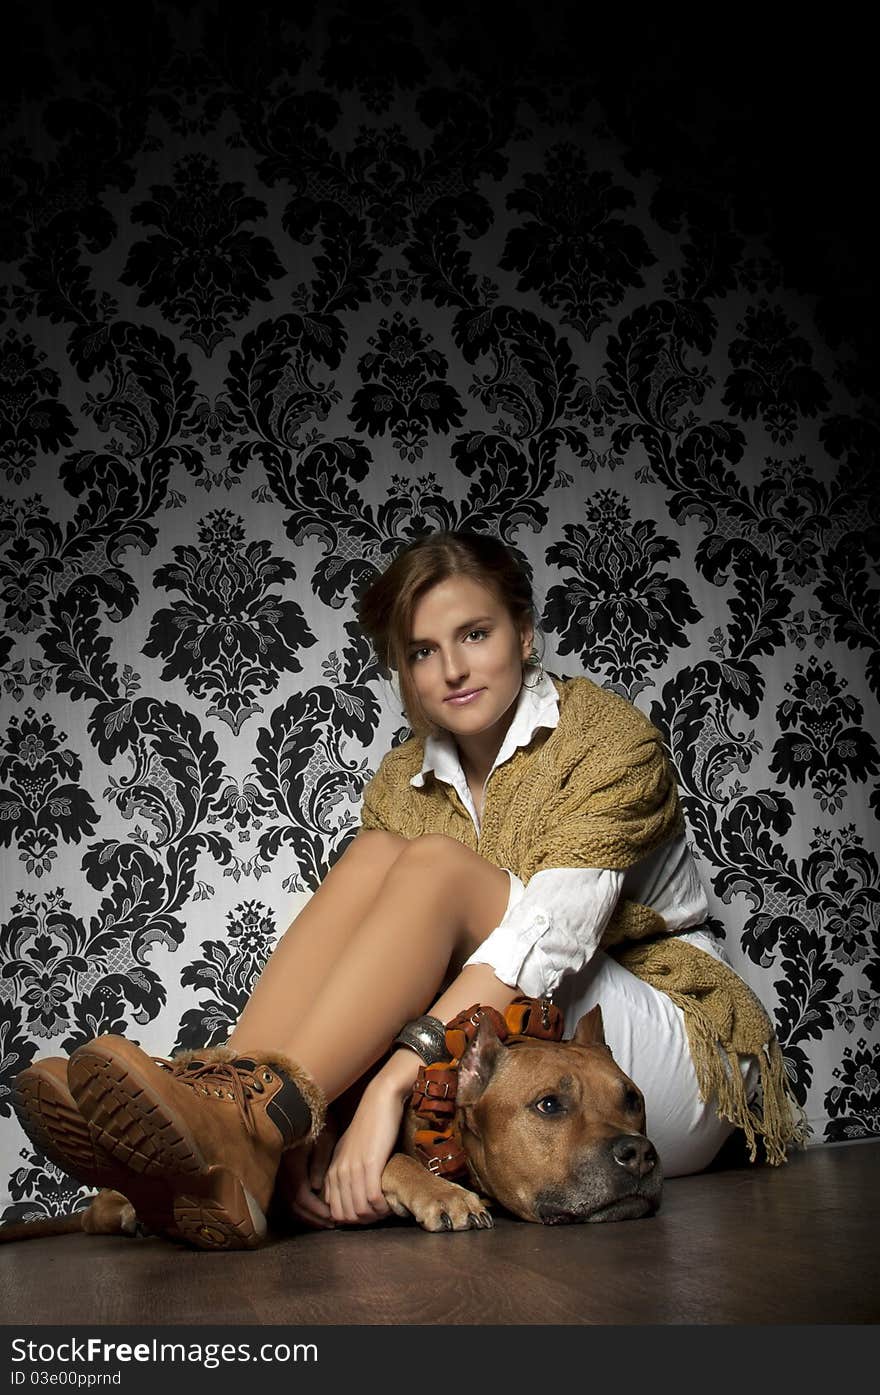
point(353, 1185)
point(301, 1178)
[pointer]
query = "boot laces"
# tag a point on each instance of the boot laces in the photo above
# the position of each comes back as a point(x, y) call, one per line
point(236, 1080)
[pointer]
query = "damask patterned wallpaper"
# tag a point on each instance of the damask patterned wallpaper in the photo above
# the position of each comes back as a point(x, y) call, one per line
point(285, 286)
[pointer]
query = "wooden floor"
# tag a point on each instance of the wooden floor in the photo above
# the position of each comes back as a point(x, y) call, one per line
point(799, 1244)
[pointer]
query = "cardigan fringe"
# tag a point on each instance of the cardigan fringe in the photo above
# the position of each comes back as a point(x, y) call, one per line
point(725, 1021)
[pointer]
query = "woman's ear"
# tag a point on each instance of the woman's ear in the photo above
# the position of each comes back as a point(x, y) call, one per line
point(527, 634)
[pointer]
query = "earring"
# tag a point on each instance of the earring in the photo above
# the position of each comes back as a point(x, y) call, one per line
point(533, 662)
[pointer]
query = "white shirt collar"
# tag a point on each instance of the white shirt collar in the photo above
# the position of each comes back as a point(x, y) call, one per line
point(535, 707)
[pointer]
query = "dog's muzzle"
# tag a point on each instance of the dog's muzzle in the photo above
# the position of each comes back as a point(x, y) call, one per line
point(621, 1181)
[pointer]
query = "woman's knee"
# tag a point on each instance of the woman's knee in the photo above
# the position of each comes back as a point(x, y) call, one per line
point(455, 871)
point(379, 838)
point(377, 847)
point(434, 851)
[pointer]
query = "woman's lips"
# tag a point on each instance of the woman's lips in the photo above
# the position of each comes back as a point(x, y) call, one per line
point(462, 699)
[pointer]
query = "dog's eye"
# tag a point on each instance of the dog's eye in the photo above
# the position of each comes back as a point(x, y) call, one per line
point(632, 1101)
point(550, 1104)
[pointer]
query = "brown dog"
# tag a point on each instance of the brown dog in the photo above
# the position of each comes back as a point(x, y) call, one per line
point(552, 1130)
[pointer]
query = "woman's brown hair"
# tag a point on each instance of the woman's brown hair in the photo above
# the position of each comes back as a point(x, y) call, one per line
point(385, 609)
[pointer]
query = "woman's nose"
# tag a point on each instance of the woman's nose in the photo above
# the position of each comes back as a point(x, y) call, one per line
point(454, 665)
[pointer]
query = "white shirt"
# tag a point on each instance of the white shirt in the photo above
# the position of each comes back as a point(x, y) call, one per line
point(553, 925)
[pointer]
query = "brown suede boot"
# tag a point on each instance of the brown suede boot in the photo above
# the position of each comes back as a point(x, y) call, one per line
point(211, 1131)
point(48, 1114)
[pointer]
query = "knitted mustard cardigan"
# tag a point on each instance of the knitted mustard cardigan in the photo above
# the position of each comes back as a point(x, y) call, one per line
point(599, 791)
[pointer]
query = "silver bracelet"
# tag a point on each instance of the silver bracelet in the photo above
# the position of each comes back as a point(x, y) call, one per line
point(426, 1036)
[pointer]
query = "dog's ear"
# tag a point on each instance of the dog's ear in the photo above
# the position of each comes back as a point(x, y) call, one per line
point(478, 1063)
point(590, 1030)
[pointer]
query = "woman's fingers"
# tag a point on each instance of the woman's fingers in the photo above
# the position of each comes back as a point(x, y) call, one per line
point(309, 1217)
point(313, 1204)
point(341, 1198)
point(370, 1203)
point(308, 1207)
point(354, 1196)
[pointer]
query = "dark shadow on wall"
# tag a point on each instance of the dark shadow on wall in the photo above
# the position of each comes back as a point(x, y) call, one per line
point(776, 123)
point(769, 118)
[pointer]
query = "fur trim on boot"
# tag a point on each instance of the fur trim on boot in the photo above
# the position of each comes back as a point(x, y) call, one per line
point(285, 1065)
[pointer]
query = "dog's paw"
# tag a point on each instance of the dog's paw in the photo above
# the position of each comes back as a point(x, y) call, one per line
point(436, 1203)
point(461, 1210)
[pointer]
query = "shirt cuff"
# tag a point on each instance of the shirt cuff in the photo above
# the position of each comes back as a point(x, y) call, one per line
point(552, 929)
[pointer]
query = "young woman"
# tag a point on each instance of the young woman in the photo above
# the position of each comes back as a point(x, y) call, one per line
point(525, 822)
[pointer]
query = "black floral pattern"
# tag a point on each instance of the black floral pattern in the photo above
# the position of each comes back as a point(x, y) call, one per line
point(854, 1103)
point(576, 251)
point(41, 796)
point(227, 971)
point(31, 418)
point(406, 392)
point(231, 634)
point(825, 742)
point(619, 612)
point(372, 271)
point(772, 373)
point(202, 267)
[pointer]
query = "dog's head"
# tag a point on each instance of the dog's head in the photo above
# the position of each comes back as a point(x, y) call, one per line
point(554, 1130)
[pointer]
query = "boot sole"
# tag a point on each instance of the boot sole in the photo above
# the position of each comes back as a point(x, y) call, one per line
point(49, 1116)
point(129, 1118)
point(56, 1128)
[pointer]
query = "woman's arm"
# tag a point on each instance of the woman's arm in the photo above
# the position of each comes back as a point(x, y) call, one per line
point(552, 929)
point(605, 819)
point(353, 1184)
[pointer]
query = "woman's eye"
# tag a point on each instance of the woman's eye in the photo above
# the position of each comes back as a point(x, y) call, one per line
point(482, 633)
point(416, 655)
point(550, 1104)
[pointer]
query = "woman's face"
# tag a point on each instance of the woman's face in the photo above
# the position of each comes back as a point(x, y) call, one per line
point(466, 657)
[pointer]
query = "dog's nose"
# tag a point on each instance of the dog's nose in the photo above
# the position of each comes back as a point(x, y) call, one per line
point(635, 1153)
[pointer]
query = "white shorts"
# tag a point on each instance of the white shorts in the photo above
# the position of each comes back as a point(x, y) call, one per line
point(648, 1040)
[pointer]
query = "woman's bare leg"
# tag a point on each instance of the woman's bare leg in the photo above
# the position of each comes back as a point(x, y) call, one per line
point(436, 903)
point(307, 953)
